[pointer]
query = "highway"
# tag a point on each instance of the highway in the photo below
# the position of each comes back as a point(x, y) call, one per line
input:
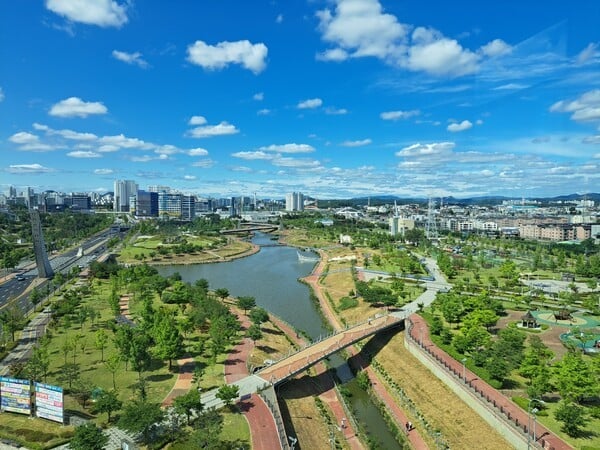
point(16, 285)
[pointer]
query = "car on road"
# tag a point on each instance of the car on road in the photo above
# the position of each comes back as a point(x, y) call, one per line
point(20, 277)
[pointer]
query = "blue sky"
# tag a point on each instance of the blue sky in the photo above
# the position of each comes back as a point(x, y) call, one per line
point(335, 99)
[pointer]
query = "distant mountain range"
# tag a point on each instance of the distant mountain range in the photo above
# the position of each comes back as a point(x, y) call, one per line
point(484, 200)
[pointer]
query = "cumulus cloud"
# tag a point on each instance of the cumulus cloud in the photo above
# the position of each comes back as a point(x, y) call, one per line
point(435, 54)
point(189, 177)
point(222, 129)
point(584, 108)
point(28, 168)
point(75, 107)
point(197, 152)
point(359, 143)
point(67, 134)
point(103, 171)
point(215, 57)
point(397, 115)
point(302, 163)
point(497, 47)
point(197, 120)
point(84, 154)
point(259, 96)
point(122, 141)
point(29, 142)
point(288, 148)
point(204, 164)
point(311, 103)
point(462, 126)
point(361, 28)
point(436, 148)
point(103, 13)
point(254, 155)
point(263, 112)
point(130, 58)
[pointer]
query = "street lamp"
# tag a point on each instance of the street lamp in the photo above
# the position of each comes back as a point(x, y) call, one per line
point(529, 411)
point(464, 360)
point(293, 441)
point(534, 412)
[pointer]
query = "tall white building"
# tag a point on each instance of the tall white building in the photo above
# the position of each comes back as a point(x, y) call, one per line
point(294, 201)
point(123, 190)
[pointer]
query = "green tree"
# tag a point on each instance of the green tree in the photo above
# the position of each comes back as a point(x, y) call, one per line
point(222, 293)
point(139, 416)
point(188, 404)
point(108, 402)
point(12, 320)
point(258, 315)
point(35, 296)
point(254, 332)
point(572, 416)
point(246, 303)
point(112, 364)
point(101, 341)
point(228, 393)
point(88, 437)
point(576, 378)
point(169, 341)
point(208, 429)
point(69, 373)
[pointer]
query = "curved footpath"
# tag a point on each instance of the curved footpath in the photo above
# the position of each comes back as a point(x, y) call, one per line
point(415, 439)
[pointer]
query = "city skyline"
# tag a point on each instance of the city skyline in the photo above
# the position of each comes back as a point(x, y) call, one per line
point(335, 99)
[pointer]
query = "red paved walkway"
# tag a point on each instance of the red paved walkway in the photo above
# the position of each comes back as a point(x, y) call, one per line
point(420, 333)
point(260, 420)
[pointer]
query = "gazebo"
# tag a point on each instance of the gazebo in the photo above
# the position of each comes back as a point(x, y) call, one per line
point(529, 321)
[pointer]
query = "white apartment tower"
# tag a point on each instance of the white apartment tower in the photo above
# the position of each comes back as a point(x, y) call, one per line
point(123, 190)
point(294, 201)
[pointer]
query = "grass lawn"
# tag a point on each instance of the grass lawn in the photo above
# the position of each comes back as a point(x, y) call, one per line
point(33, 433)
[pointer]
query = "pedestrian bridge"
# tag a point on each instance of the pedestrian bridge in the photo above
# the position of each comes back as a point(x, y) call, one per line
point(292, 364)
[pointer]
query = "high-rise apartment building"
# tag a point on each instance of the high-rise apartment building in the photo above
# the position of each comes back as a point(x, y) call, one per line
point(123, 190)
point(294, 201)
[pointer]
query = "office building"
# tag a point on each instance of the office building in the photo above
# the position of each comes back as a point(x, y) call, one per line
point(124, 189)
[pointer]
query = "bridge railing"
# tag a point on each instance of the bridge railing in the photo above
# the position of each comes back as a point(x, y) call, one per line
point(271, 402)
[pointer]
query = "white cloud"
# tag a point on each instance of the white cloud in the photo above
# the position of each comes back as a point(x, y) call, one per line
point(28, 168)
point(335, 111)
point(197, 152)
point(67, 134)
point(75, 107)
point(479, 122)
point(1, 95)
point(510, 86)
point(302, 163)
point(591, 139)
point(435, 54)
point(197, 120)
point(263, 112)
point(396, 115)
point(255, 155)
point(84, 154)
point(359, 143)
point(591, 51)
point(30, 142)
point(104, 13)
point(107, 148)
point(214, 57)
point(189, 177)
point(222, 129)
point(437, 148)
point(497, 47)
point(360, 28)
point(279, 18)
point(585, 108)
point(130, 58)
point(103, 171)
point(205, 163)
point(462, 126)
point(288, 148)
point(311, 103)
point(125, 142)
point(259, 96)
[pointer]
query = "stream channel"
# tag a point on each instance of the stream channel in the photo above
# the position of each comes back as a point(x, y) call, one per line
point(271, 277)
